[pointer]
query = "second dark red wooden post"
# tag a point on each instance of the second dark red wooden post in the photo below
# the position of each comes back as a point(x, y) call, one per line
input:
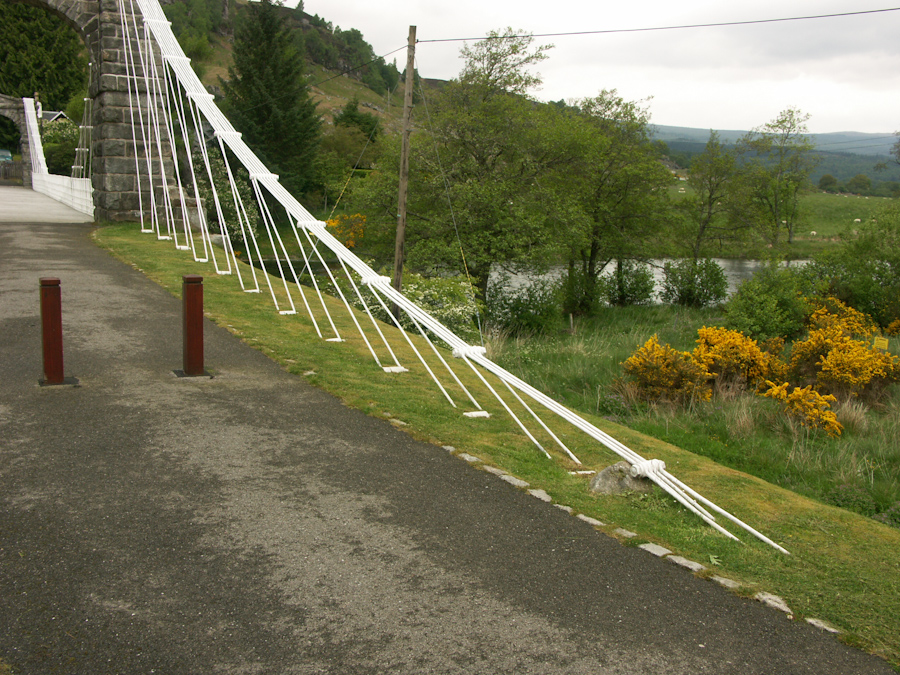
point(192, 315)
point(51, 329)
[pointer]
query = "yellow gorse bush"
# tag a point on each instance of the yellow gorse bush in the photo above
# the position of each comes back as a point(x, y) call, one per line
point(853, 366)
point(832, 361)
point(663, 373)
point(834, 313)
point(733, 357)
point(808, 406)
point(837, 357)
point(807, 354)
point(347, 229)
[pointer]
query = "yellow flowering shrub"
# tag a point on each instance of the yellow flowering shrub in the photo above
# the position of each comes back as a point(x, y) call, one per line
point(831, 312)
point(773, 350)
point(807, 354)
point(893, 327)
point(812, 409)
point(853, 367)
point(347, 229)
point(836, 355)
point(663, 373)
point(731, 356)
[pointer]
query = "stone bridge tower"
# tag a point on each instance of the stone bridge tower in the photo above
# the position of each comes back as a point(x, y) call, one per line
point(114, 175)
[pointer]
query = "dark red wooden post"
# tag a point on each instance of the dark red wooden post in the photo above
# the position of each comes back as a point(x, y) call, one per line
point(192, 314)
point(51, 327)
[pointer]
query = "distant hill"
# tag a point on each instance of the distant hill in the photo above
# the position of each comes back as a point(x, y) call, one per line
point(842, 154)
point(853, 142)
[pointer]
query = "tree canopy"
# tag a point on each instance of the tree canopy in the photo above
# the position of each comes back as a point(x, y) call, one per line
point(40, 53)
point(616, 184)
point(778, 159)
point(489, 148)
point(504, 180)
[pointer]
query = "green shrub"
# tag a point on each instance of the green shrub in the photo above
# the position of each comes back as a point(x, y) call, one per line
point(891, 516)
point(631, 283)
point(864, 272)
point(60, 140)
point(450, 300)
point(527, 310)
point(866, 284)
point(694, 283)
point(770, 304)
point(579, 293)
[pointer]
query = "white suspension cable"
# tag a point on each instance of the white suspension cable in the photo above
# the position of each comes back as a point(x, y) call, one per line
point(269, 224)
point(223, 228)
point(297, 228)
point(266, 186)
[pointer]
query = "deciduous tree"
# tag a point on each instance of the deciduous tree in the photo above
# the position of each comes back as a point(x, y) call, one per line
point(860, 184)
point(705, 212)
point(778, 158)
point(617, 184)
point(828, 183)
point(478, 183)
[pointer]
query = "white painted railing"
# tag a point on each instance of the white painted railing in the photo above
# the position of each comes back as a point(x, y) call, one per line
point(74, 192)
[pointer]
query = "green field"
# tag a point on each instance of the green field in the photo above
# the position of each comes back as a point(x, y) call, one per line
point(824, 219)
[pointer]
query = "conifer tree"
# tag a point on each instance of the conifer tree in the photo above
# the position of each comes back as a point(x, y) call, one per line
point(40, 53)
point(267, 97)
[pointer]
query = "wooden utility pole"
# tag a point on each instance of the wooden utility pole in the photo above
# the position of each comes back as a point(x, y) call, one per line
point(404, 165)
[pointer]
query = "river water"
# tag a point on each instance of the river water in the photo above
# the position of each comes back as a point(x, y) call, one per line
point(736, 272)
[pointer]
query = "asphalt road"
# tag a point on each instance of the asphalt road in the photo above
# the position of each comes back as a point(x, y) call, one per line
point(253, 524)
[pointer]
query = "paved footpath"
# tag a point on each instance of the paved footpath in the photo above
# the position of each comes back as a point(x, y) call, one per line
point(253, 524)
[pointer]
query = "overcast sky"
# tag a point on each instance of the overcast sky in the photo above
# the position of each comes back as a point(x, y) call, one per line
point(844, 72)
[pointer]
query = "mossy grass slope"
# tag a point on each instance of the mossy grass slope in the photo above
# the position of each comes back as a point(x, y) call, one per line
point(843, 568)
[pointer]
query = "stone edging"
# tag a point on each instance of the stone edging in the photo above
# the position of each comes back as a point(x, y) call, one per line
point(768, 599)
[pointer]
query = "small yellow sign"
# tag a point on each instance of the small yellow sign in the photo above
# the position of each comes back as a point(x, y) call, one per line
point(881, 343)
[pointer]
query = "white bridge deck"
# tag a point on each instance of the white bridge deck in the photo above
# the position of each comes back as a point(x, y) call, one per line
point(21, 205)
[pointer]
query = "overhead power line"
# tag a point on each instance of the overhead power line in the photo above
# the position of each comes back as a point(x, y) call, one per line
point(659, 28)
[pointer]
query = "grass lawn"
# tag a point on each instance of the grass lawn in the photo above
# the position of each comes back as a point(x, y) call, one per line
point(843, 568)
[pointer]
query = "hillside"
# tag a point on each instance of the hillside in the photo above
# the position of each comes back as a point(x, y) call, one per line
point(333, 56)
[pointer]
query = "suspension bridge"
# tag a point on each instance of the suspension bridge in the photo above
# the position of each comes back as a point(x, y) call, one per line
point(155, 136)
point(254, 524)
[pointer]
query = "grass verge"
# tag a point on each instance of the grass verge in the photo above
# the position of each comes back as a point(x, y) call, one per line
point(844, 568)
